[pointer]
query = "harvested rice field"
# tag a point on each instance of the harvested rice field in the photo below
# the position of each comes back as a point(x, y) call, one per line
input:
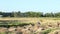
point(43, 25)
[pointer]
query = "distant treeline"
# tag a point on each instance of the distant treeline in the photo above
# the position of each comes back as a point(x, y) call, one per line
point(28, 14)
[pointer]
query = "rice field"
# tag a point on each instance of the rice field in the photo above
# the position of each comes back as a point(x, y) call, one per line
point(34, 20)
point(29, 25)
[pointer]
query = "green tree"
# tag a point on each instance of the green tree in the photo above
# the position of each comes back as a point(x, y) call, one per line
point(57, 14)
point(33, 14)
point(49, 15)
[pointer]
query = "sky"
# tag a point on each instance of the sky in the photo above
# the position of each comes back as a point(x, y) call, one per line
point(30, 5)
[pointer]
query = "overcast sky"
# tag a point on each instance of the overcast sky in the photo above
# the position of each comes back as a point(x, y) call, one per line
point(30, 5)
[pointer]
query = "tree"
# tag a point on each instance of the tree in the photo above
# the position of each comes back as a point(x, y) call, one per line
point(57, 14)
point(49, 15)
point(33, 14)
point(18, 14)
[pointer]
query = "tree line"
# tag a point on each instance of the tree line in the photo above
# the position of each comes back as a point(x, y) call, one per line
point(28, 14)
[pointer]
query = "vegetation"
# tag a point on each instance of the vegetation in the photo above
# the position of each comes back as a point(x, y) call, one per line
point(29, 22)
point(28, 25)
point(12, 23)
point(28, 14)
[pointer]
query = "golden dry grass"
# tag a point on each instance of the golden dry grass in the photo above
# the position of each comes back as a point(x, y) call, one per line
point(34, 20)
